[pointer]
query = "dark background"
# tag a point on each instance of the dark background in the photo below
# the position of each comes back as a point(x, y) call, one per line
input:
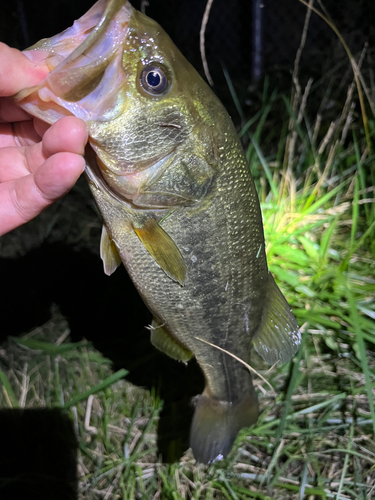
point(108, 311)
point(229, 33)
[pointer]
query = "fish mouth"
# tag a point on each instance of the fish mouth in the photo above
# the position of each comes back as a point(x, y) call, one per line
point(127, 188)
point(95, 177)
point(86, 78)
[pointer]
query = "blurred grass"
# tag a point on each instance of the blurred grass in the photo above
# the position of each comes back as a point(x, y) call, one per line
point(315, 435)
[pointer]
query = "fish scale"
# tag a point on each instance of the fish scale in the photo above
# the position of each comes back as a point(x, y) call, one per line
point(169, 299)
point(179, 206)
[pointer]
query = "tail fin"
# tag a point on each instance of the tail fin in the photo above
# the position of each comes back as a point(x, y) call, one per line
point(216, 425)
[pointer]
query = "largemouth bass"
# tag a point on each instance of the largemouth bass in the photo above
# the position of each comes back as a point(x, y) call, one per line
point(178, 202)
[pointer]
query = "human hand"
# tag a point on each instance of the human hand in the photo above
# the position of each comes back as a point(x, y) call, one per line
point(38, 163)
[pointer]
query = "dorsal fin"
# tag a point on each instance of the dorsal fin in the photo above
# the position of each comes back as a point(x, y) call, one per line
point(163, 249)
point(278, 337)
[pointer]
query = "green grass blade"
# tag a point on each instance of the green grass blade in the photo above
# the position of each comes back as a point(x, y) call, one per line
point(233, 93)
point(355, 214)
point(8, 391)
point(362, 350)
point(47, 347)
point(265, 166)
point(346, 460)
point(344, 264)
point(99, 387)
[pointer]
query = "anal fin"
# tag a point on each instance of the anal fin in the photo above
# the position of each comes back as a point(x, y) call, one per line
point(278, 337)
point(163, 249)
point(109, 253)
point(163, 341)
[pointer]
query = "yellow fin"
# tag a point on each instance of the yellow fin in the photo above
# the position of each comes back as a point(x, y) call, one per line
point(109, 253)
point(278, 337)
point(167, 344)
point(163, 249)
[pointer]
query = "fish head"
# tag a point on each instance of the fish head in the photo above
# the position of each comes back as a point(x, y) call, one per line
point(145, 106)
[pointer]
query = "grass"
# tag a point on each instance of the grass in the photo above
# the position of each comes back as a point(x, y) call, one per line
point(315, 435)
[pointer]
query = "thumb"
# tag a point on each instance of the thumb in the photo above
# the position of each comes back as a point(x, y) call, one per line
point(18, 71)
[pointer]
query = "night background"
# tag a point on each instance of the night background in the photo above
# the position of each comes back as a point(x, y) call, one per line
point(53, 264)
point(231, 38)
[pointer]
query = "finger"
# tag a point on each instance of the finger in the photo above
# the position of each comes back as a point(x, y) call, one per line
point(18, 134)
point(40, 126)
point(12, 164)
point(23, 199)
point(25, 134)
point(67, 134)
point(17, 71)
point(10, 112)
point(21, 134)
point(13, 139)
point(6, 137)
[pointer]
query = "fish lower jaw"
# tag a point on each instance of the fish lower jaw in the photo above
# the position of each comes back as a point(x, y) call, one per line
point(124, 185)
point(135, 178)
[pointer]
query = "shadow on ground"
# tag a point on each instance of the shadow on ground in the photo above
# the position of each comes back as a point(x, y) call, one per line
point(107, 311)
point(38, 455)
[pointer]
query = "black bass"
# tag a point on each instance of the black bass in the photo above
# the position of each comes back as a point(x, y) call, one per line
point(178, 202)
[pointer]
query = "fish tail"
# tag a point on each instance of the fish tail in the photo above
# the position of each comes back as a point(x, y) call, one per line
point(216, 425)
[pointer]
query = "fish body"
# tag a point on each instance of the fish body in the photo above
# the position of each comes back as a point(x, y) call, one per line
point(179, 206)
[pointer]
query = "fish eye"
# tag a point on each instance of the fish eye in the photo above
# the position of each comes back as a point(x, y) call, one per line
point(154, 80)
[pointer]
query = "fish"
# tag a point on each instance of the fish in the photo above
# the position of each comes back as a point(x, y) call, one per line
point(179, 206)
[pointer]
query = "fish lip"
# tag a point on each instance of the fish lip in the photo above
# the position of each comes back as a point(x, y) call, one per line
point(129, 168)
point(54, 87)
point(109, 13)
point(95, 176)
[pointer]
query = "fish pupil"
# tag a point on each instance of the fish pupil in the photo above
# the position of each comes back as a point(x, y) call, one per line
point(153, 79)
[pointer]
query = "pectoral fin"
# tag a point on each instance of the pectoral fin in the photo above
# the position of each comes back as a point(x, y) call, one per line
point(167, 344)
point(109, 253)
point(163, 249)
point(278, 337)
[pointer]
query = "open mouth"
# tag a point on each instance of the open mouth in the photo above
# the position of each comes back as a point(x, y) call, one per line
point(86, 75)
point(125, 188)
